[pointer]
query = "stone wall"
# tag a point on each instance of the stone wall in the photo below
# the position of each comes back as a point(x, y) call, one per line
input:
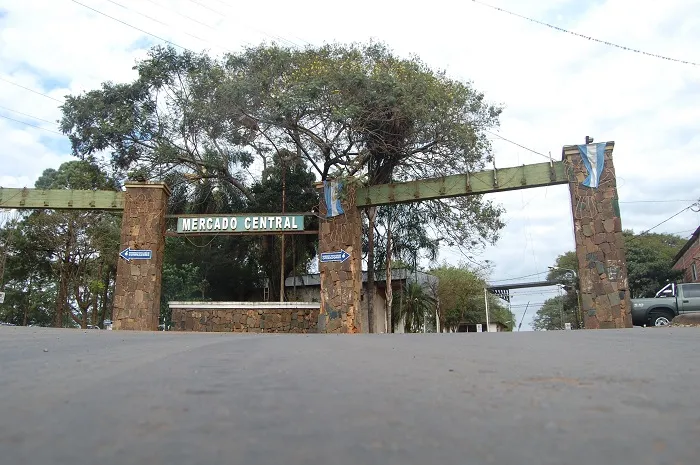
point(341, 282)
point(137, 289)
point(245, 317)
point(600, 248)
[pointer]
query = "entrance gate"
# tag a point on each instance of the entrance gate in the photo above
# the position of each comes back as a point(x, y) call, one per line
point(587, 169)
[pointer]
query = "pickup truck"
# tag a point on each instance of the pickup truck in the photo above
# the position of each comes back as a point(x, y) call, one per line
point(668, 303)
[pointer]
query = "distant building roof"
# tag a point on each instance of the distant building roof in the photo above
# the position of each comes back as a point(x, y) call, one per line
point(687, 245)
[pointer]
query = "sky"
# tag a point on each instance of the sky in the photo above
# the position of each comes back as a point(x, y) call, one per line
point(556, 88)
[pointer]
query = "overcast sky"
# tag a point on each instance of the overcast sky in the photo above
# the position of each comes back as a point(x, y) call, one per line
point(557, 88)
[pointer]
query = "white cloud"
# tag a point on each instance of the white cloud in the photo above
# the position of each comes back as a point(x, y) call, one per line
point(557, 88)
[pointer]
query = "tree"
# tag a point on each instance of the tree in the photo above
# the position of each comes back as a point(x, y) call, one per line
point(355, 110)
point(563, 265)
point(80, 246)
point(179, 283)
point(556, 312)
point(415, 307)
point(30, 292)
point(291, 176)
point(650, 261)
point(461, 298)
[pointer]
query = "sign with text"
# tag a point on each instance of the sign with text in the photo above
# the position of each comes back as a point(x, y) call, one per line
point(129, 254)
point(2, 297)
point(340, 256)
point(240, 224)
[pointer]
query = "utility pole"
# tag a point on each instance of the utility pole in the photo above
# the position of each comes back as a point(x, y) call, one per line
point(561, 309)
point(486, 301)
point(284, 201)
point(523, 317)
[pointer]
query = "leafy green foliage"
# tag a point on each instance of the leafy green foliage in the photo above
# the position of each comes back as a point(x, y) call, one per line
point(415, 307)
point(346, 110)
point(61, 264)
point(461, 298)
point(650, 261)
point(180, 283)
point(563, 265)
point(556, 312)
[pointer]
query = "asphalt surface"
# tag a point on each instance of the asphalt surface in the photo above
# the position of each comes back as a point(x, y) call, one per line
point(576, 397)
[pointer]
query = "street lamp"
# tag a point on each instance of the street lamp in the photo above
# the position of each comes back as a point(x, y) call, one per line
point(569, 275)
point(572, 275)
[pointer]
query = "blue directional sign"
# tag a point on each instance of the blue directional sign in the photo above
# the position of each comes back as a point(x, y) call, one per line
point(335, 256)
point(128, 254)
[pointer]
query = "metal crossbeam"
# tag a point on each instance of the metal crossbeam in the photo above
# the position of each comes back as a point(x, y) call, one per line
point(57, 199)
point(481, 182)
point(508, 287)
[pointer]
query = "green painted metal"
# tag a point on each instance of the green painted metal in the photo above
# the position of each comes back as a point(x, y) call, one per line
point(481, 182)
point(57, 199)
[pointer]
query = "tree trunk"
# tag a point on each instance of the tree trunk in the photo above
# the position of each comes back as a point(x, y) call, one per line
point(105, 293)
point(389, 290)
point(95, 310)
point(372, 216)
point(63, 278)
point(83, 306)
point(29, 302)
point(62, 296)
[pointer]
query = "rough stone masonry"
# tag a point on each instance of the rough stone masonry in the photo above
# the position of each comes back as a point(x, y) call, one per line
point(600, 248)
point(138, 282)
point(341, 282)
point(285, 319)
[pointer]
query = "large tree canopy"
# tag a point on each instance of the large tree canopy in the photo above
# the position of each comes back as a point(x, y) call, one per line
point(216, 129)
point(347, 110)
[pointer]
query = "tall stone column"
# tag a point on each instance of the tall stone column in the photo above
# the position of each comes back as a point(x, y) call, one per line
point(600, 248)
point(341, 280)
point(138, 282)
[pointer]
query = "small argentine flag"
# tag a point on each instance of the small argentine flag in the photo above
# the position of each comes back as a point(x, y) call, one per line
point(593, 159)
point(330, 192)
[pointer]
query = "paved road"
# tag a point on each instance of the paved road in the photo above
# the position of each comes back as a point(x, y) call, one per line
point(110, 397)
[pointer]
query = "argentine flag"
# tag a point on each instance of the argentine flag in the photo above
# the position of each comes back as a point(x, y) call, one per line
point(330, 192)
point(593, 159)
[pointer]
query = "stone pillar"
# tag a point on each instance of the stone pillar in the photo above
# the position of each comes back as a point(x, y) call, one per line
point(137, 290)
point(600, 247)
point(341, 282)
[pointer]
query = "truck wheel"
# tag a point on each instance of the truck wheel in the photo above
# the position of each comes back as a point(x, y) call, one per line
point(660, 319)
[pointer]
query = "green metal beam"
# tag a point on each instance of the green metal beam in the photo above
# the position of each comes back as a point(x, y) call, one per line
point(57, 199)
point(481, 182)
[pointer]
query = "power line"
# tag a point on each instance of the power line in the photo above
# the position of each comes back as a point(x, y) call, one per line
point(658, 201)
point(27, 114)
point(208, 8)
point(30, 90)
point(643, 233)
point(183, 15)
point(29, 124)
point(518, 277)
point(129, 25)
point(604, 42)
point(519, 145)
point(164, 24)
point(292, 43)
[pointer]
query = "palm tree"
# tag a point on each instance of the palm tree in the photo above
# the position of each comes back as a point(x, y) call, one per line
point(413, 307)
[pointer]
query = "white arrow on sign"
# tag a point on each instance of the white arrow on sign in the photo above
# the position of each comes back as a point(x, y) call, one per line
point(128, 254)
point(340, 256)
